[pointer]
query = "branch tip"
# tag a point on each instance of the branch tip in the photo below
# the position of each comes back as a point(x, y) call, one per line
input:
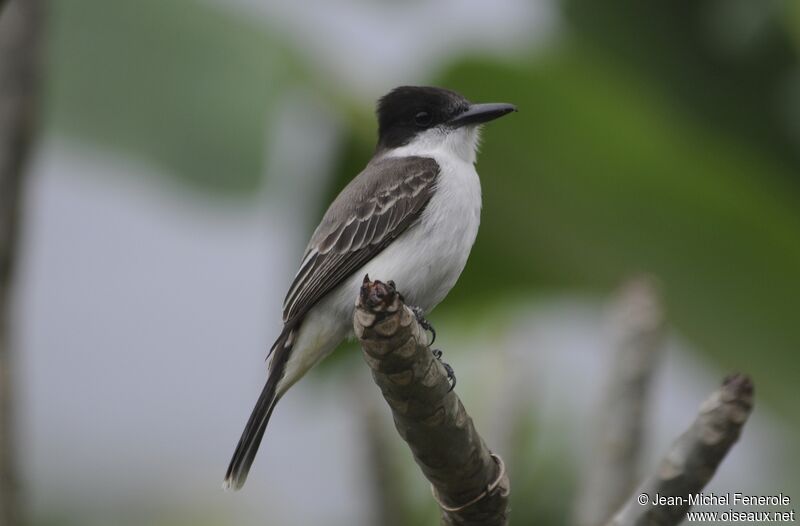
point(694, 456)
point(376, 294)
point(741, 385)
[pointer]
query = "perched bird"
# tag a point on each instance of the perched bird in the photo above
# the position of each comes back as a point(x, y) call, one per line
point(411, 216)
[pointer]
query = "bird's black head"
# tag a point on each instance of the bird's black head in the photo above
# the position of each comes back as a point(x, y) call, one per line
point(406, 111)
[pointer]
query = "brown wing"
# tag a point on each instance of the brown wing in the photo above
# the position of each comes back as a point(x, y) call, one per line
point(371, 212)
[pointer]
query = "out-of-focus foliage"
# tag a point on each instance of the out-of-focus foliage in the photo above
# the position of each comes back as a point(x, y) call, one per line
point(182, 83)
point(608, 180)
point(726, 63)
point(543, 471)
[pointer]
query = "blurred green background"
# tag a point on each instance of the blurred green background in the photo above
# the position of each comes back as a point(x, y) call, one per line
point(657, 137)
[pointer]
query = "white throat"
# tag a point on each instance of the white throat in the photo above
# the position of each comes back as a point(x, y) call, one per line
point(461, 143)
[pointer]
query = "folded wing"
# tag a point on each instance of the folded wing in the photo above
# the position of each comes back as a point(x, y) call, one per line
point(371, 212)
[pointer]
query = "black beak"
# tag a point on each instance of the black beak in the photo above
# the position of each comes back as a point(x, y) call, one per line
point(480, 113)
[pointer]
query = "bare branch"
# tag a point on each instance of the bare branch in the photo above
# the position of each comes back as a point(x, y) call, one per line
point(469, 482)
point(637, 323)
point(694, 457)
point(20, 40)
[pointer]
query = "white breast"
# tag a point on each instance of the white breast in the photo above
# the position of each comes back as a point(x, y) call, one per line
point(426, 261)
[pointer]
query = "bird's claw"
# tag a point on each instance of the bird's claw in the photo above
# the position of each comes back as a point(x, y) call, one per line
point(437, 353)
point(424, 323)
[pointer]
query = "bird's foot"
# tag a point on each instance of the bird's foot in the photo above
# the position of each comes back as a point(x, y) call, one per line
point(451, 374)
point(424, 323)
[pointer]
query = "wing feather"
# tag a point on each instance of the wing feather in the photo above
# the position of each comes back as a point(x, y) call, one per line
point(360, 235)
point(373, 210)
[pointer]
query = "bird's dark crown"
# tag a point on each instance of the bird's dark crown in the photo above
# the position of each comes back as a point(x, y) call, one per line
point(408, 110)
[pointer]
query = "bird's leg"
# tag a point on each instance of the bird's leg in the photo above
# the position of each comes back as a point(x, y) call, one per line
point(424, 323)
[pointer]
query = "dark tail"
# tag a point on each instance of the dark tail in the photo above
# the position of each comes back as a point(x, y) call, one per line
point(254, 430)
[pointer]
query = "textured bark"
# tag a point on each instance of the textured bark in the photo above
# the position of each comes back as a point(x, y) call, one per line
point(694, 457)
point(20, 32)
point(637, 323)
point(471, 486)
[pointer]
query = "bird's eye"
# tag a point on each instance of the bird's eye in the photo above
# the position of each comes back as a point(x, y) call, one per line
point(423, 119)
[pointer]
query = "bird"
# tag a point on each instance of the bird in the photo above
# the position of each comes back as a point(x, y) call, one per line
point(411, 215)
